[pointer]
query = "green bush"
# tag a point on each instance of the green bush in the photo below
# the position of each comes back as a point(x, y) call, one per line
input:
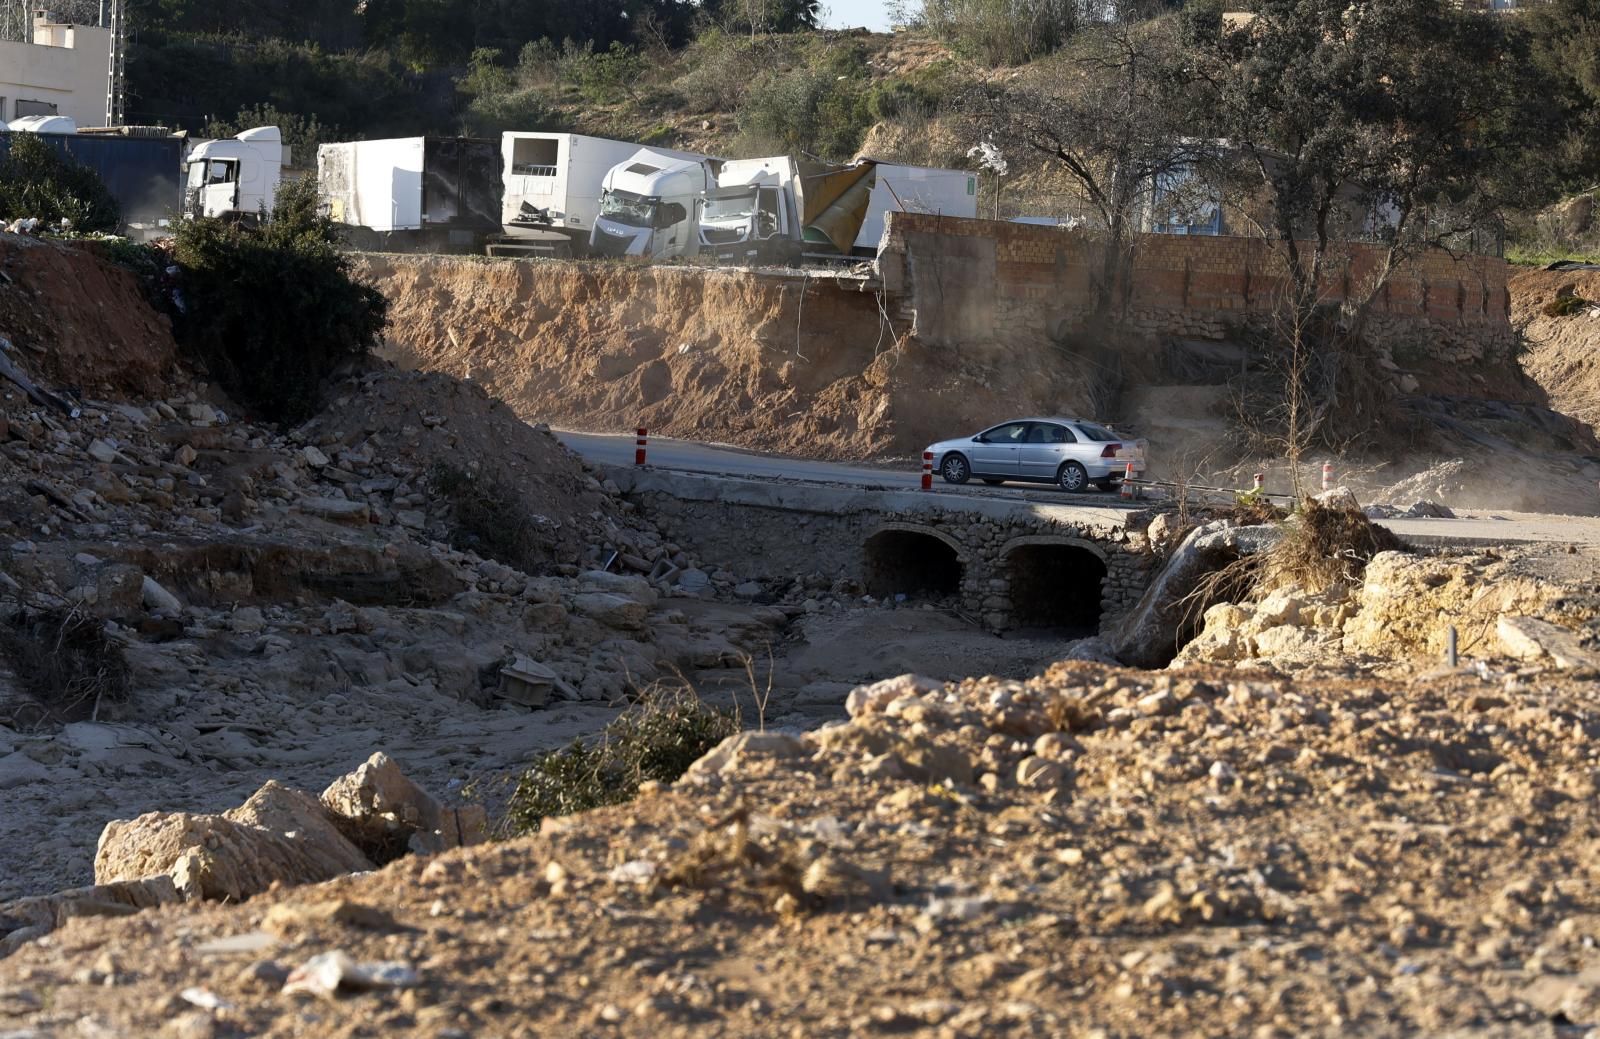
point(37, 181)
point(271, 310)
point(1002, 32)
point(609, 76)
point(806, 111)
point(493, 114)
point(720, 71)
point(302, 133)
point(658, 737)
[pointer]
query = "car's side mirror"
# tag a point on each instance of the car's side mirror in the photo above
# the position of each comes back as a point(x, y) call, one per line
point(980, 439)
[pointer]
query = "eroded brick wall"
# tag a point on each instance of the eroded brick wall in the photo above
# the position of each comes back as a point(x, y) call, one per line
point(976, 283)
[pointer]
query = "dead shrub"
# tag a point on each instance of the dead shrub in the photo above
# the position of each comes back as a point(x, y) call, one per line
point(66, 664)
point(1565, 305)
point(1324, 547)
point(727, 856)
point(488, 517)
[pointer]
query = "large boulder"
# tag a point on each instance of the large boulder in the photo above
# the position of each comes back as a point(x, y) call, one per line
point(387, 815)
point(612, 610)
point(1170, 611)
point(207, 856)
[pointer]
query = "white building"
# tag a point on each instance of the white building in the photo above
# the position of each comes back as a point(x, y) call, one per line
point(63, 71)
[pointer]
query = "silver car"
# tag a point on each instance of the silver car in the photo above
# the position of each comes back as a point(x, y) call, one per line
point(1068, 452)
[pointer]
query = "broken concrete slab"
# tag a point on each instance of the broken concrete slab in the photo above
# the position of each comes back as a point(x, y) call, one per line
point(1529, 638)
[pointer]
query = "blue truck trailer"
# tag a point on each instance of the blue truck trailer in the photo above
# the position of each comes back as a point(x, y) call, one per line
point(142, 171)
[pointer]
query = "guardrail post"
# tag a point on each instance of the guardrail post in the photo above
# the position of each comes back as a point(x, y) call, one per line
point(927, 470)
point(639, 446)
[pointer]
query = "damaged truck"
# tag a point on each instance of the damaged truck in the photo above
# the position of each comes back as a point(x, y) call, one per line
point(784, 210)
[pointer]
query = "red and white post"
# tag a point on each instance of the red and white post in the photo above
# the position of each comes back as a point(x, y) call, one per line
point(1327, 476)
point(1261, 482)
point(1127, 482)
point(927, 470)
point(639, 445)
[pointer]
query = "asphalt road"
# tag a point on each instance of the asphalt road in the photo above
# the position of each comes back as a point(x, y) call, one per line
point(695, 457)
point(692, 456)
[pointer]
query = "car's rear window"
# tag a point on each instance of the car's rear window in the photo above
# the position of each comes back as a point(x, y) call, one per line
point(1099, 434)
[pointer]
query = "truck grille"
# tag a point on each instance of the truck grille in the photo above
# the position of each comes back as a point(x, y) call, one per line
point(610, 245)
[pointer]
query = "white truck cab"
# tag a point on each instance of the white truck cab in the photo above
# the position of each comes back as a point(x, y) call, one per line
point(648, 206)
point(237, 176)
point(749, 214)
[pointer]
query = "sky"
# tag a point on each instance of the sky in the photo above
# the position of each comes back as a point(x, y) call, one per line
point(847, 14)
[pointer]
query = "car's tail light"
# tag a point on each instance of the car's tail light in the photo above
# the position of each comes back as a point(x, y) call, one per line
point(1111, 451)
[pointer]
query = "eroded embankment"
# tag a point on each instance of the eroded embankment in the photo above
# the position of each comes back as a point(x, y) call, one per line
point(776, 362)
point(1555, 312)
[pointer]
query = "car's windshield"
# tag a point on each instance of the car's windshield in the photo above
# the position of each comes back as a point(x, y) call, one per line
point(730, 208)
point(1099, 434)
point(625, 207)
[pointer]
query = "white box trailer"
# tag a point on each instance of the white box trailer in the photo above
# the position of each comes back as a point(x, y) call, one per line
point(916, 189)
point(413, 192)
point(553, 184)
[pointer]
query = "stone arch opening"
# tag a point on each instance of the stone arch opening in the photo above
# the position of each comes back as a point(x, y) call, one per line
point(1056, 586)
point(917, 564)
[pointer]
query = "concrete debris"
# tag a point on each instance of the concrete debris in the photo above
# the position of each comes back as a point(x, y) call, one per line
point(329, 974)
point(1529, 638)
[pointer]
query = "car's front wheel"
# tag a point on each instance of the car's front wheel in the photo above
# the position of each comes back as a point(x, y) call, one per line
point(955, 469)
point(1072, 477)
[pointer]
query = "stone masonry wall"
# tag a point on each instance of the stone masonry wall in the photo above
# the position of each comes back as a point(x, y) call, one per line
point(766, 542)
point(980, 283)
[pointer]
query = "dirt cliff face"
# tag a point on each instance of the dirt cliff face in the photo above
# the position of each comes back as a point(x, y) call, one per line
point(809, 365)
point(81, 321)
point(1563, 354)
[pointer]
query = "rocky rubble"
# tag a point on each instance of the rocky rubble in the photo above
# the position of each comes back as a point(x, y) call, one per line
point(285, 601)
point(1533, 605)
point(1095, 852)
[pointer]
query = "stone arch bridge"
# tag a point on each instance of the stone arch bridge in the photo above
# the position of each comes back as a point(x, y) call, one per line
point(1011, 562)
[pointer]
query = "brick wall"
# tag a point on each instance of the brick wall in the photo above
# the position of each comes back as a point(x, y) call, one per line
point(972, 283)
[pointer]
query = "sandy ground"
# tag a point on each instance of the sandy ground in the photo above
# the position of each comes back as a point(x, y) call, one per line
point(1193, 854)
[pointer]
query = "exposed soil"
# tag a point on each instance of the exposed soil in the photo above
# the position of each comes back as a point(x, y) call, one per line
point(807, 365)
point(1196, 854)
point(81, 321)
point(1563, 354)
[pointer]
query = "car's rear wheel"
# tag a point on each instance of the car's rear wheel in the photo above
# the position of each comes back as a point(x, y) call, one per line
point(992, 482)
point(1072, 477)
point(955, 469)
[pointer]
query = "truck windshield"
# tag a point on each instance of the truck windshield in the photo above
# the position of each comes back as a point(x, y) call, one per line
point(729, 208)
point(625, 207)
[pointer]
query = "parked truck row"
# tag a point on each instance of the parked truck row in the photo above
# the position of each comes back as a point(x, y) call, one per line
point(550, 194)
point(564, 194)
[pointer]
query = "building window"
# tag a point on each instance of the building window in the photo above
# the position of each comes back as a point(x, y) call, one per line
point(26, 108)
